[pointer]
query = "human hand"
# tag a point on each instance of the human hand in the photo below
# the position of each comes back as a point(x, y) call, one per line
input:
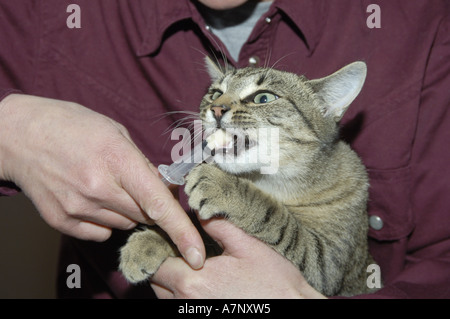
point(247, 269)
point(84, 174)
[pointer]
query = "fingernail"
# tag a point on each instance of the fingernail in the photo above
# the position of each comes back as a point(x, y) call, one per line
point(194, 258)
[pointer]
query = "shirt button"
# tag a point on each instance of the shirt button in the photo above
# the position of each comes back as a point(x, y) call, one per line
point(253, 61)
point(207, 27)
point(268, 20)
point(375, 222)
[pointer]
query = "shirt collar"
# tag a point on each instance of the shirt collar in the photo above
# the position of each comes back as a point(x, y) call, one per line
point(163, 15)
point(308, 16)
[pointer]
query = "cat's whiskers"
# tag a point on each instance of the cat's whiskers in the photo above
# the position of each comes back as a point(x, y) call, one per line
point(191, 116)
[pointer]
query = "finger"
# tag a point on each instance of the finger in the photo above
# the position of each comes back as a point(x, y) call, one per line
point(87, 231)
point(53, 214)
point(110, 219)
point(147, 189)
point(122, 203)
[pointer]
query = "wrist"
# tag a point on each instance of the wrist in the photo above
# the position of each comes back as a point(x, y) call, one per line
point(9, 119)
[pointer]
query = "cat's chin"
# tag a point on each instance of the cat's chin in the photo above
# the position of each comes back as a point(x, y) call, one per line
point(237, 169)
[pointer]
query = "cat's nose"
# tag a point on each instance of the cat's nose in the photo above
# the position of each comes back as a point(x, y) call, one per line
point(219, 110)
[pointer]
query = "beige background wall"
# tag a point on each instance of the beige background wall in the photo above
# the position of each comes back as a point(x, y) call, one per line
point(28, 251)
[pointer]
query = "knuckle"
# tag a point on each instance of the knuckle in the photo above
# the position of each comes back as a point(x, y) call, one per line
point(182, 235)
point(122, 129)
point(114, 158)
point(73, 206)
point(158, 209)
point(94, 185)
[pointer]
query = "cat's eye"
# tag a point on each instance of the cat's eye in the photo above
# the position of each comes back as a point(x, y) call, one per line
point(216, 95)
point(264, 97)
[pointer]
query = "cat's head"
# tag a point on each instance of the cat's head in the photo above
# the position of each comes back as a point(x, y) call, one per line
point(276, 119)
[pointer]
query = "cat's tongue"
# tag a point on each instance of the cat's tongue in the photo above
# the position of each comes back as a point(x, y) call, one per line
point(220, 139)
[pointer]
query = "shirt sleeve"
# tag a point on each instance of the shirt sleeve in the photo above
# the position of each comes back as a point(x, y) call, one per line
point(19, 49)
point(426, 273)
point(20, 28)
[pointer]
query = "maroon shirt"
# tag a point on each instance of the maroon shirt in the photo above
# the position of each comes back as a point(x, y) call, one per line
point(136, 60)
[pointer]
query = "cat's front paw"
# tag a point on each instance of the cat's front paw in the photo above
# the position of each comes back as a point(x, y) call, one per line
point(209, 189)
point(143, 253)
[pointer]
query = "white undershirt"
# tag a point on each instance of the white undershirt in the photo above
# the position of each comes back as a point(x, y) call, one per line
point(234, 26)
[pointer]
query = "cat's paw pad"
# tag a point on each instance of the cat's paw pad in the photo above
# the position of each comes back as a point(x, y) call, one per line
point(142, 255)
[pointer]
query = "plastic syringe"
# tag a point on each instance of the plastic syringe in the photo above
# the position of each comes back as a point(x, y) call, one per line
point(175, 173)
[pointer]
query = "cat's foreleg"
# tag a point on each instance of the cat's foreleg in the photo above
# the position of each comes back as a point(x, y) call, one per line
point(215, 193)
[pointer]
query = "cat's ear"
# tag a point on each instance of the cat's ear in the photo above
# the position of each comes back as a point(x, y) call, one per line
point(214, 70)
point(339, 89)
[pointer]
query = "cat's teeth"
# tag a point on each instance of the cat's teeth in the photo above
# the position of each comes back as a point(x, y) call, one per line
point(219, 140)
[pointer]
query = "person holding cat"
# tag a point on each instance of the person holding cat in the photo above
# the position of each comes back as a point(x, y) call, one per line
point(87, 174)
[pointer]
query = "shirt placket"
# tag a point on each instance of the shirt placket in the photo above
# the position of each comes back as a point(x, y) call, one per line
point(256, 51)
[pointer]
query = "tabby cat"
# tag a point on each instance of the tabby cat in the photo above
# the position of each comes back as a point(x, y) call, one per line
point(311, 208)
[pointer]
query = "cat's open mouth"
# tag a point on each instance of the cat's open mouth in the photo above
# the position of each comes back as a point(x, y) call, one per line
point(230, 142)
